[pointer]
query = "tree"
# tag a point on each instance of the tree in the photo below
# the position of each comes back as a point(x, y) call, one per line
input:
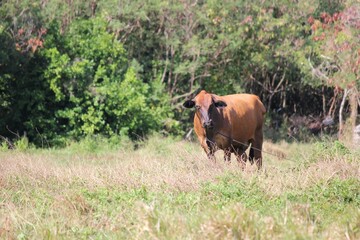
point(25, 99)
point(100, 91)
point(338, 55)
point(64, 65)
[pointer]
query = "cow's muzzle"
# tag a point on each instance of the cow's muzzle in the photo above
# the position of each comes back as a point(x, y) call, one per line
point(208, 124)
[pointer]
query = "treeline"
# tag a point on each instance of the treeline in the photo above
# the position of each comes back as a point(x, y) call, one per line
point(74, 68)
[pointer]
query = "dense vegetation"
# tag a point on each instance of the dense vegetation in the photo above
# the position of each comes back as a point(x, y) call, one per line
point(74, 68)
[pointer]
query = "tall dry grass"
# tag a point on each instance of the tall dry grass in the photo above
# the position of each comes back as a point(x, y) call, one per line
point(126, 193)
point(183, 169)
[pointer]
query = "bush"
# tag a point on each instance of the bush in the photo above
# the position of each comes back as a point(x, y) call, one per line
point(97, 90)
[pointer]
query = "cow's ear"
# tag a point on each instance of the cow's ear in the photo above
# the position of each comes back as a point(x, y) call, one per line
point(189, 104)
point(217, 102)
point(220, 104)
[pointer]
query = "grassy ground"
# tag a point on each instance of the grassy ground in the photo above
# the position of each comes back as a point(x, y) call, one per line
point(167, 189)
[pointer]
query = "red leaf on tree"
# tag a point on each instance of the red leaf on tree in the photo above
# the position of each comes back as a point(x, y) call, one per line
point(323, 15)
point(313, 27)
point(311, 20)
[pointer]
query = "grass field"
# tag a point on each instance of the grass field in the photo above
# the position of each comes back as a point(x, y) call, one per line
point(167, 189)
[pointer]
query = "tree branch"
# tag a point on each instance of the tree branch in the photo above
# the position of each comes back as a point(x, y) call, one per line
point(341, 124)
point(317, 72)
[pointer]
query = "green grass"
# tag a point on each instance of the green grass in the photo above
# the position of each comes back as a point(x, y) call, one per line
point(167, 189)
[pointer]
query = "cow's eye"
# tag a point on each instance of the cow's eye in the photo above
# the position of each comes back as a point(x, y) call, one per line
point(197, 107)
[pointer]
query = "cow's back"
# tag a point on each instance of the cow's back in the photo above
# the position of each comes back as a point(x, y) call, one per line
point(245, 114)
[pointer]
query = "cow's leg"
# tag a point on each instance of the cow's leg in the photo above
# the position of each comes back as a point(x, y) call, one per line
point(242, 160)
point(241, 157)
point(227, 155)
point(210, 154)
point(210, 149)
point(251, 154)
point(256, 148)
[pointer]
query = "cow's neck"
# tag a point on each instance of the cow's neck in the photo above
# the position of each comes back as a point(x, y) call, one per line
point(210, 133)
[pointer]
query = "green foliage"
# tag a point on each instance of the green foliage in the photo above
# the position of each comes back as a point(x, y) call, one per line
point(331, 199)
point(4, 146)
point(89, 88)
point(105, 95)
point(69, 70)
point(230, 189)
point(97, 144)
point(332, 149)
point(22, 144)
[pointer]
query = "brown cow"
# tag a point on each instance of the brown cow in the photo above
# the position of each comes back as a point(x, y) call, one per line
point(230, 123)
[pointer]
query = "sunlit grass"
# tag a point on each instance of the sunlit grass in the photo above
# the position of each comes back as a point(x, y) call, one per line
point(167, 189)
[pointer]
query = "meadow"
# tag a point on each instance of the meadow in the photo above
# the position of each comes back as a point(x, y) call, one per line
point(164, 188)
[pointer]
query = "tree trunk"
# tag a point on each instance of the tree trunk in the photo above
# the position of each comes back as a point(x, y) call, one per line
point(353, 97)
point(353, 101)
point(341, 122)
point(323, 101)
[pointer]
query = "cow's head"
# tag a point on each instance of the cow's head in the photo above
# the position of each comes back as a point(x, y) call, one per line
point(206, 105)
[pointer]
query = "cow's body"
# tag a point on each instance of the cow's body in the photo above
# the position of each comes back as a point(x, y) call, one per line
point(233, 122)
